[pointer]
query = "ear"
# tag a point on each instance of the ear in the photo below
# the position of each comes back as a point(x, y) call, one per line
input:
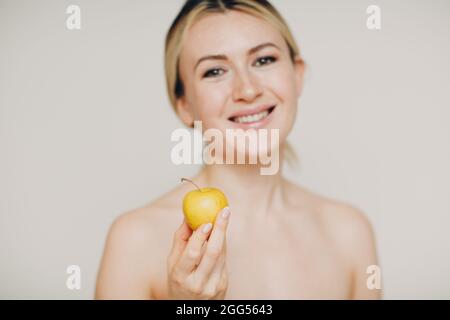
point(299, 66)
point(185, 112)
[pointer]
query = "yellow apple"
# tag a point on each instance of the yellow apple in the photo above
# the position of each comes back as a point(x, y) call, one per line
point(202, 205)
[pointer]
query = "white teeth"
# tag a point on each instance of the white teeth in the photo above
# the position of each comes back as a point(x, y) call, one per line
point(252, 118)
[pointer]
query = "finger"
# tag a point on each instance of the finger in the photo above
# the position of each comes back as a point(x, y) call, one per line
point(223, 280)
point(205, 244)
point(216, 244)
point(180, 240)
point(216, 273)
point(192, 253)
point(218, 279)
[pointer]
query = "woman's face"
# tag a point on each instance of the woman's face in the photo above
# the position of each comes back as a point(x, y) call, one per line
point(237, 73)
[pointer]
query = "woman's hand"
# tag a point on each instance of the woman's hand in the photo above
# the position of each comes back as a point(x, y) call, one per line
point(196, 264)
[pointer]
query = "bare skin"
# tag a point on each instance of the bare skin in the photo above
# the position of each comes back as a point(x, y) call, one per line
point(302, 247)
point(280, 241)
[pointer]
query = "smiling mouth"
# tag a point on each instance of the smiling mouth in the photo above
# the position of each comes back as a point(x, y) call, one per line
point(251, 118)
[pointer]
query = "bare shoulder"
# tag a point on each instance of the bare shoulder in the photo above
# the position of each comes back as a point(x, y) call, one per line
point(136, 246)
point(138, 225)
point(346, 221)
point(340, 218)
point(141, 223)
point(346, 224)
point(354, 235)
point(350, 232)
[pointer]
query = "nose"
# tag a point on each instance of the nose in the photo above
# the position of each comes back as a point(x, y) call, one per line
point(246, 87)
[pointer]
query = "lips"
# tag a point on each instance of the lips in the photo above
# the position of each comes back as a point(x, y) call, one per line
point(252, 115)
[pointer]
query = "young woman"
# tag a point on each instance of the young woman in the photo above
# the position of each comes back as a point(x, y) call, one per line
point(227, 60)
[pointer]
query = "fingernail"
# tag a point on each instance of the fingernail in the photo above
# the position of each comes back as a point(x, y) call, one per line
point(207, 227)
point(225, 212)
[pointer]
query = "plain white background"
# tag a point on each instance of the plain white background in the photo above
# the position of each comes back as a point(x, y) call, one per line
point(85, 131)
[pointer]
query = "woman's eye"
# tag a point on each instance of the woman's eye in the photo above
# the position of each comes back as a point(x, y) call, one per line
point(213, 73)
point(265, 60)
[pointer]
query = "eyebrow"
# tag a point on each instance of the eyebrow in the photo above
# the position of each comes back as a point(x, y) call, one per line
point(224, 57)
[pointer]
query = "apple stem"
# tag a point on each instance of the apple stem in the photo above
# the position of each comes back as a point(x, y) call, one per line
point(184, 179)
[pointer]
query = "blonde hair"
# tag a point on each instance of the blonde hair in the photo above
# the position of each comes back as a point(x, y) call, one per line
point(191, 12)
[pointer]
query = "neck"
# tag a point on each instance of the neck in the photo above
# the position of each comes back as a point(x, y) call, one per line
point(249, 193)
